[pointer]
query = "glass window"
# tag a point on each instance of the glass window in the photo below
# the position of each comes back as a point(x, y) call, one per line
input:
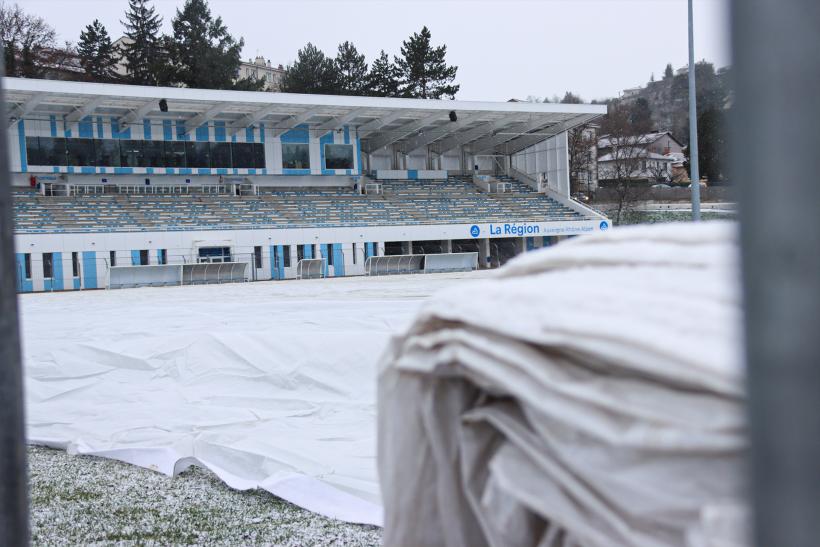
point(295, 156)
point(257, 257)
point(108, 152)
point(221, 155)
point(131, 153)
point(300, 252)
point(52, 151)
point(243, 153)
point(163, 256)
point(198, 154)
point(286, 252)
point(144, 257)
point(354, 253)
point(48, 265)
point(174, 154)
point(75, 264)
point(338, 156)
point(153, 154)
point(27, 265)
point(80, 152)
point(33, 154)
point(259, 156)
point(112, 257)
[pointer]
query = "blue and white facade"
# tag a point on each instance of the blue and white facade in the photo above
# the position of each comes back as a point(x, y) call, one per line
point(275, 140)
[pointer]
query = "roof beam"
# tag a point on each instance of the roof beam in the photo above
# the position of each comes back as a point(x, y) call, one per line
point(26, 108)
point(405, 130)
point(378, 123)
point(525, 141)
point(472, 134)
point(85, 110)
point(491, 141)
point(340, 121)
point(204, 117)
point(252, 118)
point(137, 114)
point(289, 123)
point(429, 137)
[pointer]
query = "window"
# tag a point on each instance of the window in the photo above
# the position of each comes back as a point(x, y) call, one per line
point(131, 153)
point(108, 152)
point(48, 265)
point(198, 154)
point(80, 152)
point(33, 152)
point(221, 155)
point(27, 265)
point(338, 156)
point(300, 252)
point(153, 154)
point(277, 260)
point(328, 249)
point(215, 254)
point(144, 257)
point(174, 154)
point(354, 253)
point(112, 258)
point(163, 256)
point(75, 264)
point(286, 258)
point(52, 151)
point(257, 257)
point(295, 156)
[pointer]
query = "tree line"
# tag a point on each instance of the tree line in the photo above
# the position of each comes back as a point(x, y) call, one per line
point(200, 52)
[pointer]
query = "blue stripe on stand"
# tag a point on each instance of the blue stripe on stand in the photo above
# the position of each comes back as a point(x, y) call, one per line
point(90, 269)
point(338, 260)
point(21, 138)
point(86, 128)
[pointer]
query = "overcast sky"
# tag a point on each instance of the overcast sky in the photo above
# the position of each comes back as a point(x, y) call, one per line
point(503, 49)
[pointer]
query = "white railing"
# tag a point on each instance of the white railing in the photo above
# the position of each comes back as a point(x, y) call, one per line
point(311, 268)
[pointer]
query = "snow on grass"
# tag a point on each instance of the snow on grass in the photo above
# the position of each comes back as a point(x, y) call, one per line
point(82, 500)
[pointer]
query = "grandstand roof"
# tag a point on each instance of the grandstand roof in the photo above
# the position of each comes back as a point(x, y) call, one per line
point(488, 127)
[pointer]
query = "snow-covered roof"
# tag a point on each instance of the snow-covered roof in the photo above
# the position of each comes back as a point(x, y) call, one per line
point(606, 141)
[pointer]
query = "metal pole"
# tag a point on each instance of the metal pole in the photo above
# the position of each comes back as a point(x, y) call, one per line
point(13, 470)
point(775, 143)
point(694, 165)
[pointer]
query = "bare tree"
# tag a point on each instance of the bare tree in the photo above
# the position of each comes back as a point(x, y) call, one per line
point(581, 145)
point(29, 43)
point(622, 163)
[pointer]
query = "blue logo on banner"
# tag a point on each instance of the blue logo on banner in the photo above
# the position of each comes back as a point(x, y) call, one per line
point(604, 225)
point(475, 230)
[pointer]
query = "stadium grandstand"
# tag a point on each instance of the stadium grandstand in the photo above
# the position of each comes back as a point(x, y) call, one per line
point(119, 186)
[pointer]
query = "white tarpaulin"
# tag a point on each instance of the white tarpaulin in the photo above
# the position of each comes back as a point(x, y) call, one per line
point(269, 385)
point(589, 395)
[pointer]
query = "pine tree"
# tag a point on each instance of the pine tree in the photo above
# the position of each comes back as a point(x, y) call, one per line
point(383, 78)
point(571, 98)
point(144, 56)
point(423, 70)
point(97, 54)
point(668, 73)
point(352, 70)
point(312, 72)
point(203, 53)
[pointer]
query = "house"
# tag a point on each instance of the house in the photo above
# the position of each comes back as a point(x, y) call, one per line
point(650, 157)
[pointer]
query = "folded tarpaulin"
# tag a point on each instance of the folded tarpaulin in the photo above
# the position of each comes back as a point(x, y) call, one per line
point(589, 394)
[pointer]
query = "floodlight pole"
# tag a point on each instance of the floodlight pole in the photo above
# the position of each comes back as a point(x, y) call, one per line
point(694, 165)
point(13, 472)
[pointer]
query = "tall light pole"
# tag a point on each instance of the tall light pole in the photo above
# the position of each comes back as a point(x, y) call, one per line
point(693, 121)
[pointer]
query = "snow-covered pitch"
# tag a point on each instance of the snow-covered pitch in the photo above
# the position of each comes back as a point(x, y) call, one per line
point(269, 385)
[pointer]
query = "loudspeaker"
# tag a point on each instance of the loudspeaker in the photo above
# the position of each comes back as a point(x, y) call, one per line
point(453, 117)
point(163, 105)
